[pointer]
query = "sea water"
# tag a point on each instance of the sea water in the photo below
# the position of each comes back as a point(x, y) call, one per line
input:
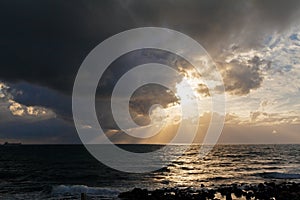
point(66, 171)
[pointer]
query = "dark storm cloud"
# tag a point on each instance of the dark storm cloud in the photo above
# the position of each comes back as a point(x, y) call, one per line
point(34, 95)
point(47, 131)
point(44, 42)
point(135, 58)
point(216, 24)
point(145, 96)
point(239, 78)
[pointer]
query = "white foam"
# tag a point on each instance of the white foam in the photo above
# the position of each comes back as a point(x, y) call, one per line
point(78, 189)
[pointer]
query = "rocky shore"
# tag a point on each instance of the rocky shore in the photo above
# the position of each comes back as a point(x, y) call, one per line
point(262, 191)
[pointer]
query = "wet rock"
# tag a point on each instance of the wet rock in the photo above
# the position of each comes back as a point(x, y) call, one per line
point(228, 196)
point(136, 193)
point(266, 191)
point(249, 195)
point(238, 192)
point(261, 186)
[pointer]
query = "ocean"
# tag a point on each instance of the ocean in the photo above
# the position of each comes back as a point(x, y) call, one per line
point(66, 171)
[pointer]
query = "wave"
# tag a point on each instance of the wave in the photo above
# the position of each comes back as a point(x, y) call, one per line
point(278, 175)
point(62, 190)
point(217, 178)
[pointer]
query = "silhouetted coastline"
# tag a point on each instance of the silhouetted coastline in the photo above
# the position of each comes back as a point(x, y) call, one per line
point(262, 191)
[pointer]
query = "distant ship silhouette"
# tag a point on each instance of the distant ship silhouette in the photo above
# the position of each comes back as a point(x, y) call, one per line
point(12, 144)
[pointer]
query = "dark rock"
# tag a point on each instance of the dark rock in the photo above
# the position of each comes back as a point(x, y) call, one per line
point(261, 186)
point(136, 193)
point(271, 184)
point(249, 195)
point(228, 196)
point(211, 194)
point(238, 192)
point(266, 191)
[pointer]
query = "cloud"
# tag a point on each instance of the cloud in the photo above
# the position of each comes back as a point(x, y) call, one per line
point(260, 118)
point(260, 134)
point(16, 109)
point(247, 38)
point(203, 89)
point(145, 96)
point(31, 124)
point(239, 78)
point(217, 24)
point(248, 68)
point(255, 115)
point(51, 54)
point(38, 98)
point(11, 110)
point(30, 112)
point(233, 119)
point(149, 95)
point(49, 131)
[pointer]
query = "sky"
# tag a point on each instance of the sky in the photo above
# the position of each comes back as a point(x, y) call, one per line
point(254, 44)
